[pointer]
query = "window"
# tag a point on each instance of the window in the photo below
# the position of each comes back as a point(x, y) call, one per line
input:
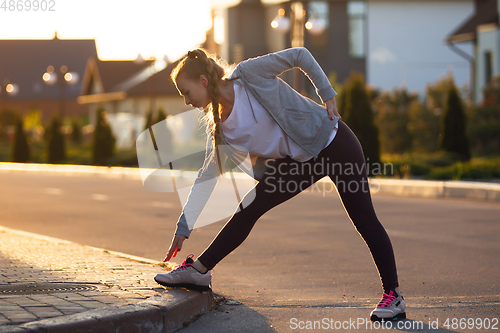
point(319, 10)
point(317, 25)
point(356, 11)
point(488, 66)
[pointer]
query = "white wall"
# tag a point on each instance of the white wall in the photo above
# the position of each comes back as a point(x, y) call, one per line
point(406, 43)
point(487, 41)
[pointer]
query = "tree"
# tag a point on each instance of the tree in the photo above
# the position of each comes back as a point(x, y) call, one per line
point(104, 141)
point(8, 118)
point(357, 113)
point(20, 148)
point(162, 115)
point(452, 135)
point(436, 94)
point(483, 121)
point(423, 127)
point(393, 119)
point(76, 131)
point(56, 147)
point(149, 120)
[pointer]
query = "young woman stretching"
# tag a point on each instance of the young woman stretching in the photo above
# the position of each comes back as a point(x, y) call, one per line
point(255, 109)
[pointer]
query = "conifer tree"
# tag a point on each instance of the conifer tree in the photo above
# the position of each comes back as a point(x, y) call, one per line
point(423, 127)
point(452, 135)
point(357, 113)
point(104, 141)
point(20, 149)
point(76, 131)
point(393, 120)
point(162, 115)
point(149, 120)
point(56, 147)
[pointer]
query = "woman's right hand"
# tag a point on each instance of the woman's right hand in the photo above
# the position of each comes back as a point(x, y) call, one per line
point(331, 106)
point(175, 247)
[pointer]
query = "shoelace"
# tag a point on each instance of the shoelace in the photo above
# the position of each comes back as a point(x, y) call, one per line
point(386, 300)
point(183, 265)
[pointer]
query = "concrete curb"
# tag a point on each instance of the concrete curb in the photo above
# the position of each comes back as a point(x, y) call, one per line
point(437, 189)
point(163, 313)
point(418, 188)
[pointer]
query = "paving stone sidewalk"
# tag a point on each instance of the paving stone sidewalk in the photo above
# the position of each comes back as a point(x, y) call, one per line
point(43, 277)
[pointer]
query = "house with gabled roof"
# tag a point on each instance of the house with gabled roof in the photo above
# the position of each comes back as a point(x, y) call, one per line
point(127, 91)
point(482, 30)
point(23, 64)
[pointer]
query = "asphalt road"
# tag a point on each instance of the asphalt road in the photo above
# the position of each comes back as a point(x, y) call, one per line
point(303, 262)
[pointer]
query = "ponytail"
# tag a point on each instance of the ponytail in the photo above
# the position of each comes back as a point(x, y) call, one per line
point(198, 63)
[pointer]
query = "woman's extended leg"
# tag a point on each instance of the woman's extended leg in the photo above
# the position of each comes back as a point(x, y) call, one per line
point(348, 172)
point(277, 186)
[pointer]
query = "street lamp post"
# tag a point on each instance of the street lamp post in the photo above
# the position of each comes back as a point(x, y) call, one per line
point(298, 15)
point(314, 25)
point(61, 77)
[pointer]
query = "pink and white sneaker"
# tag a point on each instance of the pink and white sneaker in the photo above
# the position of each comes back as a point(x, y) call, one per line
point(391, 307)
point(185, 276)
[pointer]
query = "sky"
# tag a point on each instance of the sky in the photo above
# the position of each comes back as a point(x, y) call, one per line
point(122, 28)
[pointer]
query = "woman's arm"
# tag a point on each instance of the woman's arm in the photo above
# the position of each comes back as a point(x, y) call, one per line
point(271, 65)
point(200, 192)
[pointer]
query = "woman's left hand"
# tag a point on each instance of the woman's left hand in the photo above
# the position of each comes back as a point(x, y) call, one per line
point(331, 107)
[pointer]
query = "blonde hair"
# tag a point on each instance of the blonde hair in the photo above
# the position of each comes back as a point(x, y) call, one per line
point(196, 63)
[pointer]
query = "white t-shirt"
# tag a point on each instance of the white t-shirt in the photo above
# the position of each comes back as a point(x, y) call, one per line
point(260, 135)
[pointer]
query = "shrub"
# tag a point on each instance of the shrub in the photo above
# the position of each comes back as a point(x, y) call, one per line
point(444, 173)
point(473, 170)
point(481, 169)
point(438, 159)
point(406, 166)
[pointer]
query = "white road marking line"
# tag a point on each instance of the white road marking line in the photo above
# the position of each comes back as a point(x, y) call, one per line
point(455, 240)
point(55, 191)
point(411, 302)
point(100, 197)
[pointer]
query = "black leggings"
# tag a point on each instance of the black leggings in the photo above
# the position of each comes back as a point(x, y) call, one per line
point(343, 161)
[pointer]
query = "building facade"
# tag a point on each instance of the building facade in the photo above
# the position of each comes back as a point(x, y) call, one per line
point(481, 29)
point(394, 43)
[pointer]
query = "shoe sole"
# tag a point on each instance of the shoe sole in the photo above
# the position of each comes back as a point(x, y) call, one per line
point(189, 286)
point(396, 317)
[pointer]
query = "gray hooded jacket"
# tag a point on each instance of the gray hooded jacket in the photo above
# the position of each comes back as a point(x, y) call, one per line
point(303, 120)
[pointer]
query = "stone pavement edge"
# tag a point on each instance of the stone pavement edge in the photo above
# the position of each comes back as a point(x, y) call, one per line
point(53, 285)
